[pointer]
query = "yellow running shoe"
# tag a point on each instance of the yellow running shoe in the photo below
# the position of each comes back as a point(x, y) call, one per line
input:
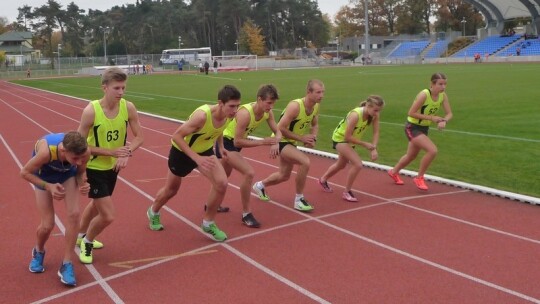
point(86, 253)
point(97, 244)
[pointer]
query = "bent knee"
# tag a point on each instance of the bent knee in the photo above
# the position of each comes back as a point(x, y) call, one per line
point(107, 219)
point(249, 175)
point(74, 216)
point(221, 186)
point(305, 162)
point(170, 192)
point(46, 228)
point(433, 151)
point(357, 165)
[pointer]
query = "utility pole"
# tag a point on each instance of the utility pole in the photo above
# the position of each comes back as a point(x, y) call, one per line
point(106, 31)
point(59, 49)
point(366, 30)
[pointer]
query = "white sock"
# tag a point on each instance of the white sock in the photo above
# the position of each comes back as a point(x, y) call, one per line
point(259, 185)
point(245, 213)
point(207, 223)
point(298, 197)
point(81, 235)
point(87, 241)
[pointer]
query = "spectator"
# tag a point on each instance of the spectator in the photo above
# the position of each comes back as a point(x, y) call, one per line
point(518, 51)
point(180, 65)
point(215, 66)
point(206, 67)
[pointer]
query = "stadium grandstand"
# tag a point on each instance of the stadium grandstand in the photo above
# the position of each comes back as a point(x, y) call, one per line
point(489, 41)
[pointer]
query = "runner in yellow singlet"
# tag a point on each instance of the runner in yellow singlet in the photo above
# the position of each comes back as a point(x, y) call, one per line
point(298, 123)
point(192, 147)
point(104, 122)
point(235, 137)
point(420, 116)
point(349, 133)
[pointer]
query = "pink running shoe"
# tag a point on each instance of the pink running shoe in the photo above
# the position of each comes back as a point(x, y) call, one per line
point(395, 177)
point(349, 196)
point(420, 183)
point(325, 187)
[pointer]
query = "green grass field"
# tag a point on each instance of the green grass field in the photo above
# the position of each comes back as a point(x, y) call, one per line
point(493, 140)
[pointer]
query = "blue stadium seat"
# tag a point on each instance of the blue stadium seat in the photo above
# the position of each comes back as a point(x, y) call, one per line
point(489, 45)
point(409, 48)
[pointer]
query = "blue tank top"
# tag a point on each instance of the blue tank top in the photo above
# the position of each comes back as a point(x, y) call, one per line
point(55, 165)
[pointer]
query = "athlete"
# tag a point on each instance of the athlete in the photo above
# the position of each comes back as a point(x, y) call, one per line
point(192, 147)
point(57, 170)
point(420, 116)
point(298, 123)
point(104, 122)
point(235, 137)
point(347, 135)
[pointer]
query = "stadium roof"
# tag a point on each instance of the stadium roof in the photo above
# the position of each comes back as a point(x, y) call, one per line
point(497, 11)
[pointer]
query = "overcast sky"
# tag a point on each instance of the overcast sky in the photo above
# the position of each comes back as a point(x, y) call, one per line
point(9, 10)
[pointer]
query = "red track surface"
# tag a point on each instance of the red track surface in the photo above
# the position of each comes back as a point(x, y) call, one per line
point(397, 245)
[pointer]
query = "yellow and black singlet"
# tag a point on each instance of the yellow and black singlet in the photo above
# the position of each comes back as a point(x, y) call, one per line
point(253, 123)
point(430, 107)
point(302, 122)
point(109, 133)
point(205, 138)
point(359, 129)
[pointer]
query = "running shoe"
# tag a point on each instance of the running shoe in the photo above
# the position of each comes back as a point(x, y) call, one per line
point(36, 265)
point(349, 196)
point(85, 256)
point(155, 222)
point(302, 205)
point(250, 221)
point(420, 183)
point(67, 275)
point(395, 177)
point(260, 192)
point(97, 244)
point(324, 186)
point(214, 232)
point(220, 209)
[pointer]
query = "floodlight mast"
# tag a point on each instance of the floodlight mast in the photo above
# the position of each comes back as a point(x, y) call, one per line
point(366, 30)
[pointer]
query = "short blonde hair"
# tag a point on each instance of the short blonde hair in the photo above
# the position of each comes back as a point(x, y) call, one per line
point(113, 73)
point(312, 82)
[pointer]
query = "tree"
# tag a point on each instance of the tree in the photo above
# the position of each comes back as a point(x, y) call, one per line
point(231, 16)
point(2, 57)
point(450, 13)
point(154, 25)
point(411, 18)
point(387, 11)
point(382, 17)
point(25, 13)
point(74, 30)
point(3, 25)
point(251, 39)
point(44, 25)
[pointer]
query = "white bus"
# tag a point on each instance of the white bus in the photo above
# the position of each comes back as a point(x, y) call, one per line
point(173, 56)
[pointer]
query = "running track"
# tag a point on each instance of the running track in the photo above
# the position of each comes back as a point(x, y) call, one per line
point(397, 245)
